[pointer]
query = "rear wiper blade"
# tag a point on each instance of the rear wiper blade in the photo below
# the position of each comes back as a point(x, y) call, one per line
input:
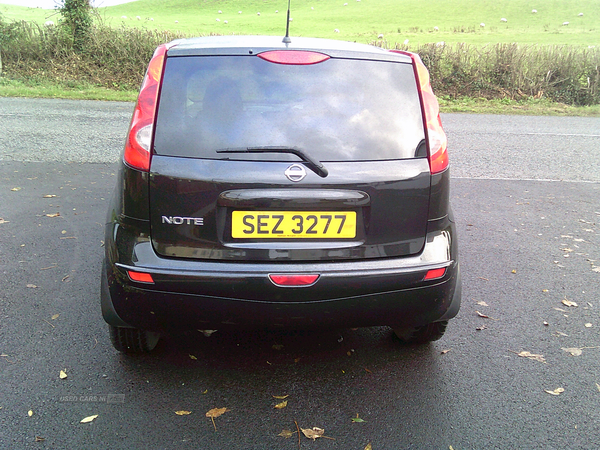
point(313, 164)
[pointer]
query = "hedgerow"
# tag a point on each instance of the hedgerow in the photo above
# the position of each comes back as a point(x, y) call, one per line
point(116, 58)
point(109, 57)
point(563, 74)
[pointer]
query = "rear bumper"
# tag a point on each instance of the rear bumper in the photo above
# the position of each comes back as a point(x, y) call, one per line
point(215, 295)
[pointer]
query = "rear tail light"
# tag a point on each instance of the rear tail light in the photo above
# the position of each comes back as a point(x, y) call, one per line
point(293, 57)
point(436, 138)
point(294, 280)
point(139, 139)
point(141, 277)
point(438, 144)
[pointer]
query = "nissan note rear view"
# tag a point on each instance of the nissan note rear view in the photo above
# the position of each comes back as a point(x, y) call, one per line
point(270, 185)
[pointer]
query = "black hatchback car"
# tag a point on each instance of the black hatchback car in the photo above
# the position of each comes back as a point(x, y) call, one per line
point(273, 185)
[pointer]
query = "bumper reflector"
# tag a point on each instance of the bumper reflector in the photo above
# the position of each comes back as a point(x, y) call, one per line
point(294, 280)
point(435, 273)
point(141, 277)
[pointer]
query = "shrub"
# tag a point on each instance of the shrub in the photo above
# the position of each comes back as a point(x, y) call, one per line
point(564, 74)
point(111, 57)
point(78, 19)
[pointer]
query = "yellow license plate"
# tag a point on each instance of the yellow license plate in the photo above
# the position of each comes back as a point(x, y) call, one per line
point(293, 224)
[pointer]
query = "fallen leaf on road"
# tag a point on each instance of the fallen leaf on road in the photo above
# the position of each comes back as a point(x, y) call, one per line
point(574, 351)
point(482, 327)
point(569, 303)
point(62, 375)
point(15, 189)
point(32, 286)
point(193, 357)
point(281, 405)
point(357, 419)
point(3, 221)
point(39, 439)
point(485, 316)
point(595, 269)
point(598, 386)
point(286, 433)
point(561, 310)
point(533, 356)
point(30, 413)
point(313, 433)
point(207, 333)
point(443, 352)
point(183, 413)
point(482, 303)
point(49, 196)
point(369, 447)
point(514, 271)
point(280, 397)
point(216, 412)
point(588, 325)
point(556, 391)
point(54, 317)
point(88, 419)
point(53, 215)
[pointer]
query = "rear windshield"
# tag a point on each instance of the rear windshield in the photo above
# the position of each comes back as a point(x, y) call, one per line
point(336, 110)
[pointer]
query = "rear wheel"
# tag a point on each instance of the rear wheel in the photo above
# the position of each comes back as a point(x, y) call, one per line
point(133, 340)
point(422, 335)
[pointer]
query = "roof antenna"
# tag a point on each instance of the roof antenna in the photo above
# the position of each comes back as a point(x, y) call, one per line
point(286, 39)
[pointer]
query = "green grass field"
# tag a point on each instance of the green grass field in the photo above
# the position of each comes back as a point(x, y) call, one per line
point(362, 21)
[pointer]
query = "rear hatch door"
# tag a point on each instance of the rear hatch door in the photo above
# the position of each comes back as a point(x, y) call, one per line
point(255, 160)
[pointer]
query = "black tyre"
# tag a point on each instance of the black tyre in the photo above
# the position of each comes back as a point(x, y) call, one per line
point(422, 335)
point(133, 340)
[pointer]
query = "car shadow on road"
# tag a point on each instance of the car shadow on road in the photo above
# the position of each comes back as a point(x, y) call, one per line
point(326, 378)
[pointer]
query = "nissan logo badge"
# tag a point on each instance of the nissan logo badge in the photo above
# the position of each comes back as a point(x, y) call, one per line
point(295, 172)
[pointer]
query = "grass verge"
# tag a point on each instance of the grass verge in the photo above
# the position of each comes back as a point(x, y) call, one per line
point(66, 90)
point(527, 107)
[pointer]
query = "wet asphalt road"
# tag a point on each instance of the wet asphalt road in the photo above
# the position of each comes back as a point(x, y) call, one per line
point(526, 193)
